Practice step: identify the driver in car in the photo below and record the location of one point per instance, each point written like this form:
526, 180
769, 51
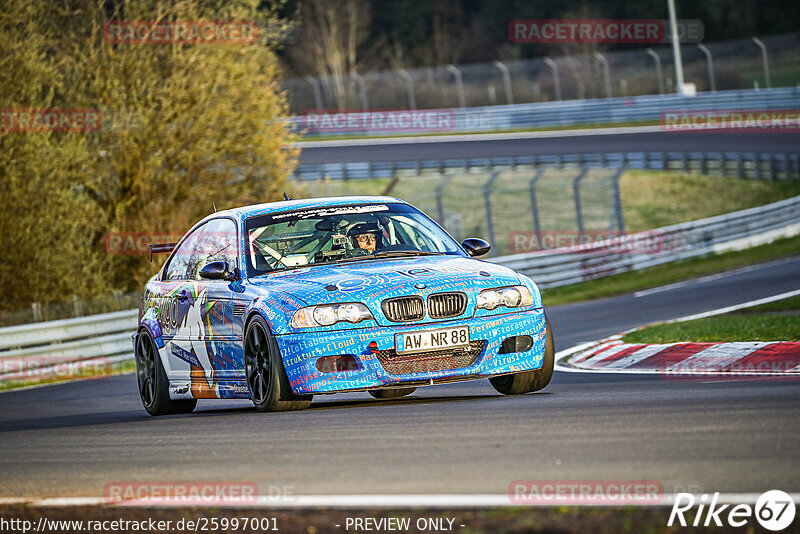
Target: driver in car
366, 236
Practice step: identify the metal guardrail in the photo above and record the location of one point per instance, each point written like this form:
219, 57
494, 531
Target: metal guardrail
28, 350
598, 111
35, 334
731, 231
756, 165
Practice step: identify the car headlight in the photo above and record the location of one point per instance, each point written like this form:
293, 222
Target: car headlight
510, 297
328, 314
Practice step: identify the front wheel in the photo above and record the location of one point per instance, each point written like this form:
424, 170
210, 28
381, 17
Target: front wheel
266, 377
528, 381
152, 380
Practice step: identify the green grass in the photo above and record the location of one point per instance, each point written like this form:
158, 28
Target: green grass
774, 322
669, 273
652, 199
127, 366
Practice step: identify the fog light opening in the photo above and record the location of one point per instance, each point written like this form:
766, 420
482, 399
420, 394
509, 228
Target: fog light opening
337, 363
516, 344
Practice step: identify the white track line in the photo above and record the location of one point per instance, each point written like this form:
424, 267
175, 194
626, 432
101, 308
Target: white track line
376, 501
708, 278
457, 138
735, 307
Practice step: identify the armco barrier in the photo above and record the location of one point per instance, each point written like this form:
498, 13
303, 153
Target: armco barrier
731, 231
755, 165
106, 336
601, 111
109, 335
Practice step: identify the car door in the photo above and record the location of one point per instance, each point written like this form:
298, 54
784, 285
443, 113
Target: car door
199, 346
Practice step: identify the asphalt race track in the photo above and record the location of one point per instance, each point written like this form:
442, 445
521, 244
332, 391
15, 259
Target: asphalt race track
527, 144
691, 435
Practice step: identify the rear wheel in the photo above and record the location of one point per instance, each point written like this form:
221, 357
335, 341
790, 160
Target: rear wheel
266, 377
529, 381
391, 393
153, 383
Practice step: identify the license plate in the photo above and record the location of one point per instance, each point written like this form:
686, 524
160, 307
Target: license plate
427, 340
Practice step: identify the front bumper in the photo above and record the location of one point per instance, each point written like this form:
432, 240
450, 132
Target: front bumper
300, 352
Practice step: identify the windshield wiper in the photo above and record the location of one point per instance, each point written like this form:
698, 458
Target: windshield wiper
390, 254
382, 254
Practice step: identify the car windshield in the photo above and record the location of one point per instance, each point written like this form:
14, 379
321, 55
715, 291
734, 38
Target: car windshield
335, 234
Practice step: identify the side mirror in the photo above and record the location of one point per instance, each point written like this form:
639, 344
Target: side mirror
476, 247
216, 270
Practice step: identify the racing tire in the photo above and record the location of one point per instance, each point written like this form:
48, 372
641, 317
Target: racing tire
391, 393
521, 383
266, 377
152, 380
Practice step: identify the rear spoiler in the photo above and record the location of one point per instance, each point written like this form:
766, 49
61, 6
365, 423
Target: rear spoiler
159, 248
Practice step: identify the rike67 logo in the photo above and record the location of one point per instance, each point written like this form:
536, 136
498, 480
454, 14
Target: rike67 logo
774, 511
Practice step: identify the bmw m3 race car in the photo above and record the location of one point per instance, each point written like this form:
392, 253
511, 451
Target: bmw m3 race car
278, 302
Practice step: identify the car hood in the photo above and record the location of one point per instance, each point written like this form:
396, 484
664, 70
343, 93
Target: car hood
371, 281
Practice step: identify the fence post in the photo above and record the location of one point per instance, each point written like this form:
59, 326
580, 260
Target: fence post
362, 91
439, 191
576, 192
773, 174
757, 165
506, 81
759, 43
710, 66
556, 82
317, 92
76, 302
535, 204
659, 74
606, 72
487, 193
462, 103
37, 312
412, 102
617, 200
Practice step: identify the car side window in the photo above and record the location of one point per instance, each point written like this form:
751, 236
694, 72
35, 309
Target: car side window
213, 241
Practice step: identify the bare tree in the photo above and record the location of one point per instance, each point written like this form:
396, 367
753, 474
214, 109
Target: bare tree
332, 32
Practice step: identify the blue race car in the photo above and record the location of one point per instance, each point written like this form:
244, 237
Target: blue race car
278, 302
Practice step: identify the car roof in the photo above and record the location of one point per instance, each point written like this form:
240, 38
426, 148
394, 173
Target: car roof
288, 205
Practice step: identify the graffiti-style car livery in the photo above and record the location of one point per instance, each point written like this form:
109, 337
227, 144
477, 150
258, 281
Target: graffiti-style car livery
278, 302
